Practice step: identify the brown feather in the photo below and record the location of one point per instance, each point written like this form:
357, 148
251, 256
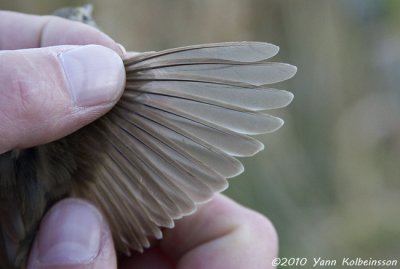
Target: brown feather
168, 145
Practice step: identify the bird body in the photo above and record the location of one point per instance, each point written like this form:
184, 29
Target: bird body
81, 13
168, 145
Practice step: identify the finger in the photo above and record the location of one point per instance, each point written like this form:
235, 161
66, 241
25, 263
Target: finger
222, 234
73, 234
21, 31
50, 92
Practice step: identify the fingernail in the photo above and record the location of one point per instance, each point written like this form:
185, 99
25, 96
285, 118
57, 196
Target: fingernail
70, 234
95, 74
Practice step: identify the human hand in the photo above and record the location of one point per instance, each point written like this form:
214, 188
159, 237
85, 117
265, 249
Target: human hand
52, 84
49, 88
52, 91
222, 234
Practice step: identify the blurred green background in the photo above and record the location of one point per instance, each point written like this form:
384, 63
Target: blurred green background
329, 179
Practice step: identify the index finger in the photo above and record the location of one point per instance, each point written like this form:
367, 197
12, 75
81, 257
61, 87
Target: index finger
222, 234
22, 31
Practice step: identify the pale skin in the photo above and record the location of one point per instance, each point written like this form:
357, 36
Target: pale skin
37, 110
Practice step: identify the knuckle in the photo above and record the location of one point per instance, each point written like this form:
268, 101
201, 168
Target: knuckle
23, 94
18, 99
25, 102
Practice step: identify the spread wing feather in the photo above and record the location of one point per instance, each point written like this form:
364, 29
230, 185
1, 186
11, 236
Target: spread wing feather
233, 51
245, 96
171, 141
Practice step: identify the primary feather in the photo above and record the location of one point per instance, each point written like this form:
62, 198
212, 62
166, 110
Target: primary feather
168, 145
173, 137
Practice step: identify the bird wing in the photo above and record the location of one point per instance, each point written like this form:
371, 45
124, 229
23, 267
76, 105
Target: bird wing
171, 141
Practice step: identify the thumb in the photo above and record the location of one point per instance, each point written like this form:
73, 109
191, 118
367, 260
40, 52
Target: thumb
73, 234
50, 92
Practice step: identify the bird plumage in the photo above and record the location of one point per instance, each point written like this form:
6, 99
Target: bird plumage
168, 145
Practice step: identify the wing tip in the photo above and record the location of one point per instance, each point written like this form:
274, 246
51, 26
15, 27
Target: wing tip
260, 148
269, 48
292, 70
278, 124
290, 97
240, 169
